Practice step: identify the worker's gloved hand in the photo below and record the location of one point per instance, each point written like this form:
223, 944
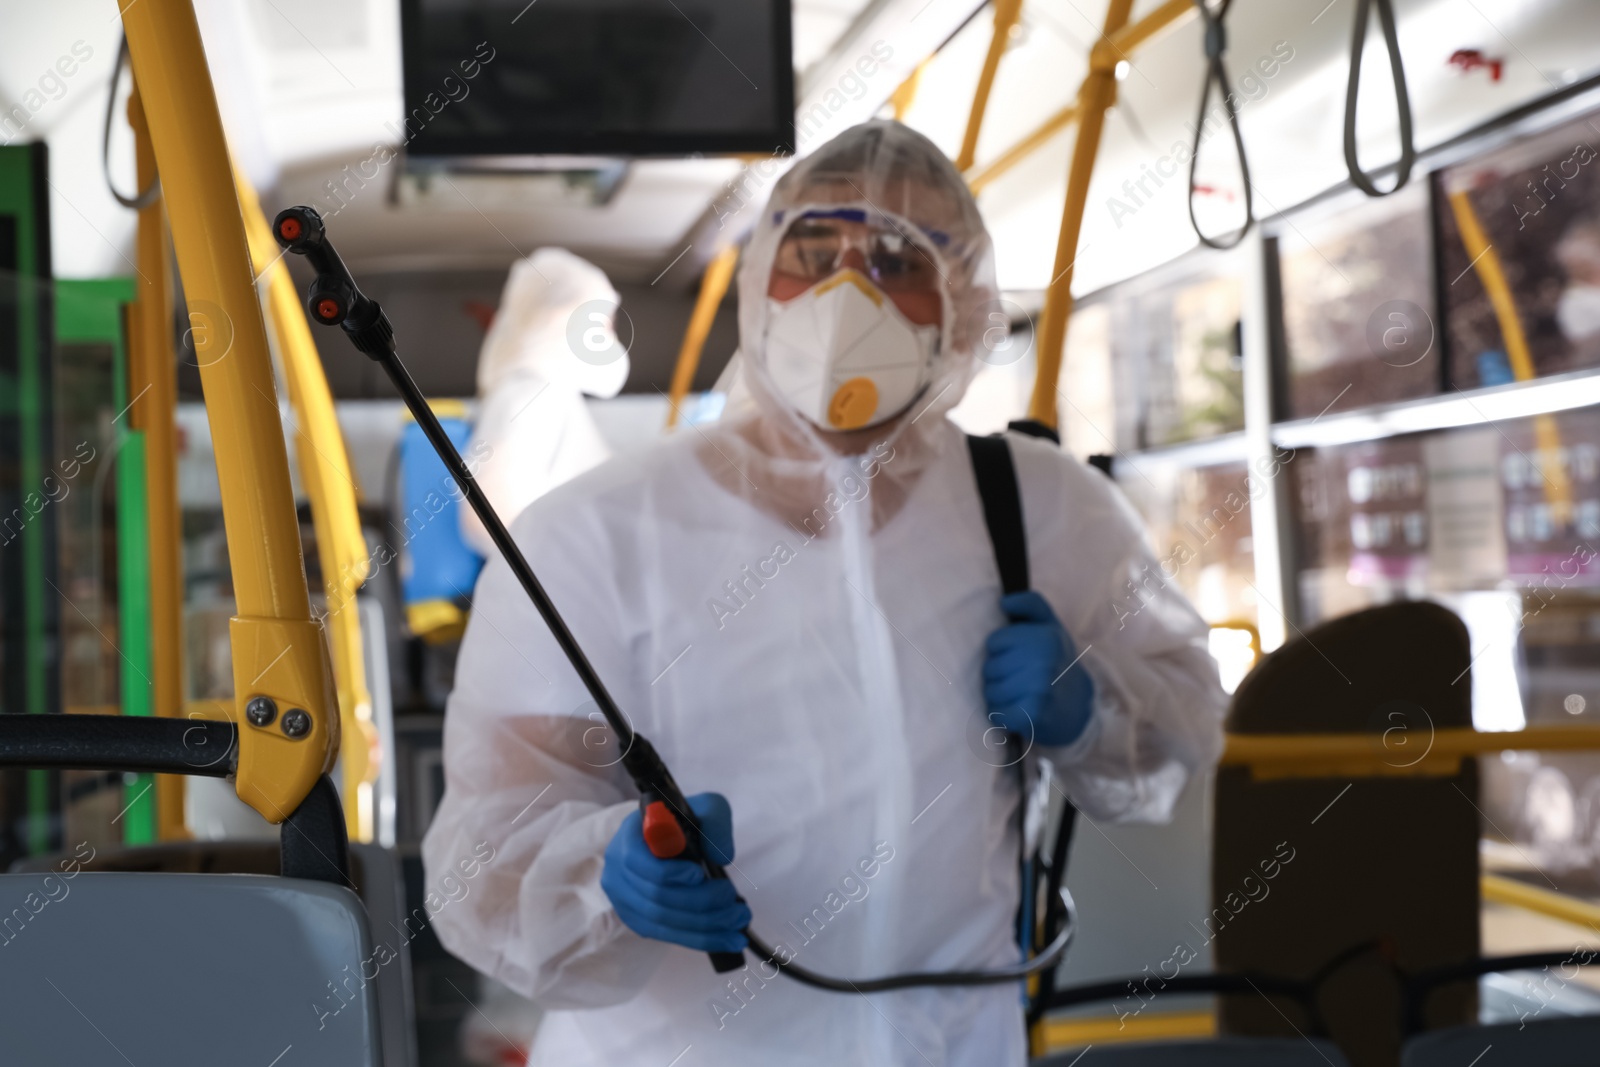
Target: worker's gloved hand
1026, 681
674, 900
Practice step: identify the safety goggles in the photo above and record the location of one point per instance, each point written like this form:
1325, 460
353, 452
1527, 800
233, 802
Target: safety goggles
818, 244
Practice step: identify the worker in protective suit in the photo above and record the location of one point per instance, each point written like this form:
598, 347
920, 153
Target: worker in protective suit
553, 341
800, 607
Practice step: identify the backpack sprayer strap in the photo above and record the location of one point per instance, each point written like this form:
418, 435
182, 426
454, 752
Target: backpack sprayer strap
996, 475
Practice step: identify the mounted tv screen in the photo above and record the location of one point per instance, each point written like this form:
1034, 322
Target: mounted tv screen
596, 77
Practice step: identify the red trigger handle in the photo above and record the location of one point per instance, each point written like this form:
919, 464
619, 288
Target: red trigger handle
662, 833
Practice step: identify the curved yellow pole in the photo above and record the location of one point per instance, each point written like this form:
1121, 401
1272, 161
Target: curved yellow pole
1006, 14
1486, 261
1487, 264
713, 287
1041, 136
278, 649
153, 382
331, 488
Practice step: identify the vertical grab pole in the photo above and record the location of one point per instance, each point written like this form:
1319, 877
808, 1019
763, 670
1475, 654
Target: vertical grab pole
1097, 93
153, 382
1006, 14
284, 701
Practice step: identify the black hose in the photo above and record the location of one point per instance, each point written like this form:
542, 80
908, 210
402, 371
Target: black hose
1402, 99
1053, 954
1055, 890
148, 196
1216, 43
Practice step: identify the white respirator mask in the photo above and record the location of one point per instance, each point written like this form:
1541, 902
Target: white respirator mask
844, 356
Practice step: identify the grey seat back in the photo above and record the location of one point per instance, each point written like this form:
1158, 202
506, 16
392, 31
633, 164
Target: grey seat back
383, 894
185, 969
1548, 1043
1221, 1052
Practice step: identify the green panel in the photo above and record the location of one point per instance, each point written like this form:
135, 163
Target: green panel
32, 685
93, 311
133, 576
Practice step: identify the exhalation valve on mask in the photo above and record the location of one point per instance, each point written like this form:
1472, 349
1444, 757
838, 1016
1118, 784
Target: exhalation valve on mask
845, 356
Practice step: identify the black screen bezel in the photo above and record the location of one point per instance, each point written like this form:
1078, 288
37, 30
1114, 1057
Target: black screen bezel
778, 139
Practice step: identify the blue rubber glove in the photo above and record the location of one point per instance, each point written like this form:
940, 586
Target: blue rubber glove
673, 900
1026, 681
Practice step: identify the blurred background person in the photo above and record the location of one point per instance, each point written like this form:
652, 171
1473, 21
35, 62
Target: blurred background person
553, 342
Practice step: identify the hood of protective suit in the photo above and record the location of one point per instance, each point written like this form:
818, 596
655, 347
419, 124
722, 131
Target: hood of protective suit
555, 322
889, 171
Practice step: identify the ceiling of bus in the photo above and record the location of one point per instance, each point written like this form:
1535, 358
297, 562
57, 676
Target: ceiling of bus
308, 88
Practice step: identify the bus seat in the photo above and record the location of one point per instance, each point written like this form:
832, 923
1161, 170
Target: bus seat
441, 568
377, 871
1548, 1043
1369, 878
375, 875
1360, 874
207, 968
1215, 1052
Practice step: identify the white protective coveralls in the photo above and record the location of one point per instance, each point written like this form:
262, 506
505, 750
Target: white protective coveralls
802, 631
543, 352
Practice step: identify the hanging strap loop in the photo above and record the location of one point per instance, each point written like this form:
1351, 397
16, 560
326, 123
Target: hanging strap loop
1402, 99
1216, 43
146, 197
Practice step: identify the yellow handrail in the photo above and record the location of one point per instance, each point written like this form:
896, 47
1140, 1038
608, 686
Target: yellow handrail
1170, 15
1097, 93
1502, 890
1027, 146
278, 648
331, 487
1415, 751
1077, 1032
152, 381
1006, 14
713, 287
1486, 262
